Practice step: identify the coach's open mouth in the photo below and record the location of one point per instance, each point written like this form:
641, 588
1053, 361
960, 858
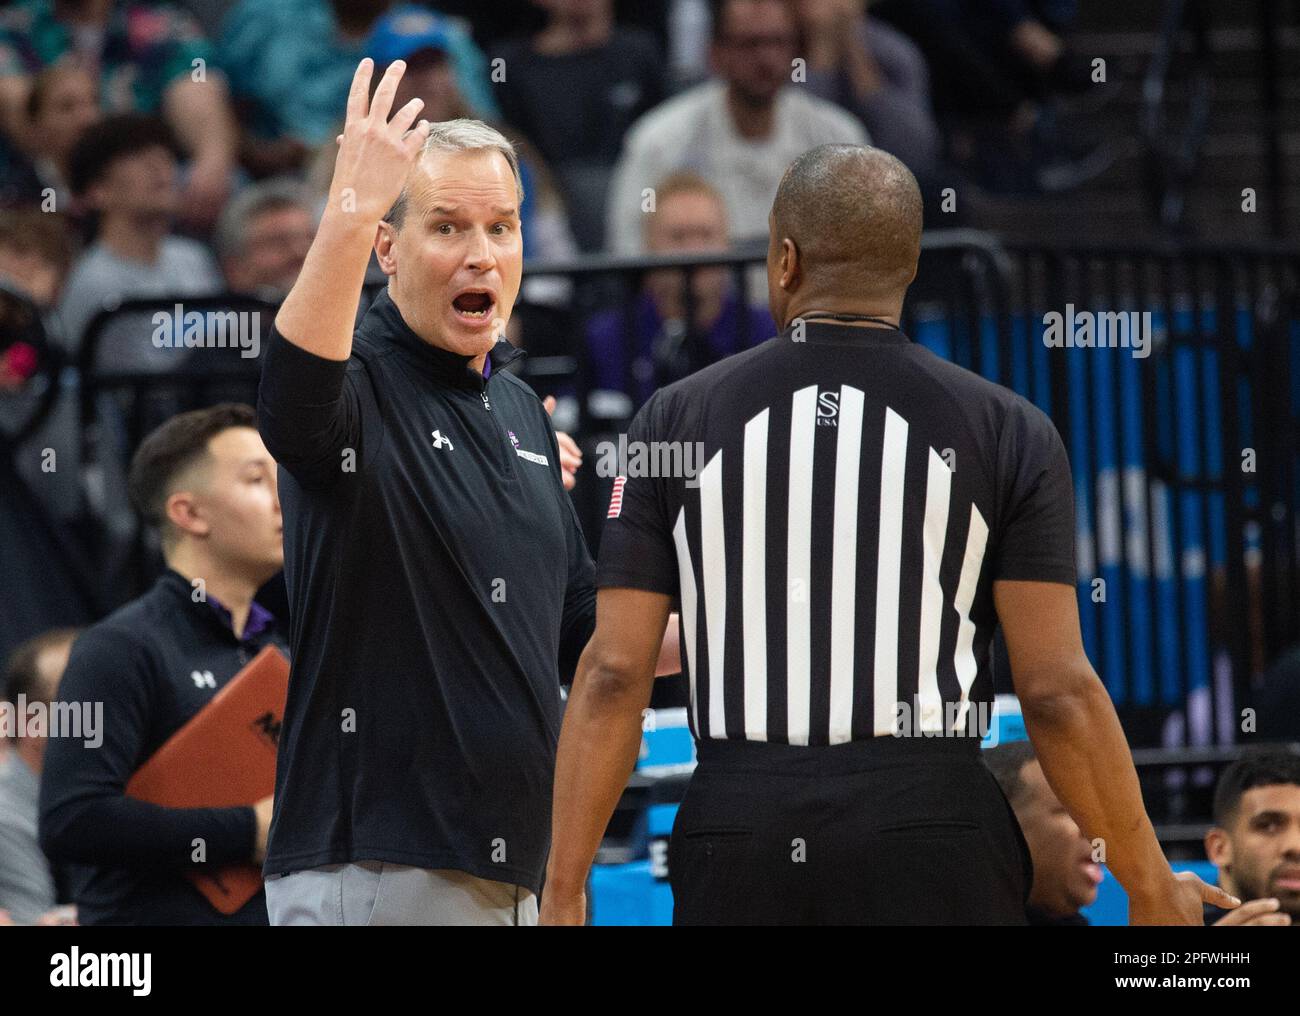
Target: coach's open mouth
474, 306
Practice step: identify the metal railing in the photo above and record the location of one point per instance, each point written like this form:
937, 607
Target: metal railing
1185, 467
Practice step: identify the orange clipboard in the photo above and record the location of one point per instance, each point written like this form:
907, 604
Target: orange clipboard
223, 757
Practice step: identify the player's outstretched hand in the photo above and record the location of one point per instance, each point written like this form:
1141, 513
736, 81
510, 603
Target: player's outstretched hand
1257, 913
1181, 902
375, 153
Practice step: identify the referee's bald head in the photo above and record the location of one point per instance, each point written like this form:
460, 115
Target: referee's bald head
845, 226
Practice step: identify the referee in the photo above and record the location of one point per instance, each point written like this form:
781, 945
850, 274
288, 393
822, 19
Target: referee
866, 515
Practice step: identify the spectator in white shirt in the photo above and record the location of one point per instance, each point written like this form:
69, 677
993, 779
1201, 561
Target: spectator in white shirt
739, 131
125, 169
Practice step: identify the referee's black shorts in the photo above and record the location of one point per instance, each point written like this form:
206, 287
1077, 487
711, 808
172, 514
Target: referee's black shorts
887, 831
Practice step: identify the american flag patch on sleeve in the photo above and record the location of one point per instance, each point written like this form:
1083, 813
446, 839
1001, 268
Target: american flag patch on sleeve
616, 498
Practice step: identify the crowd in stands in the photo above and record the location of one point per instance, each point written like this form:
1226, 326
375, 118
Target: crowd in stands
170, 151
182, 149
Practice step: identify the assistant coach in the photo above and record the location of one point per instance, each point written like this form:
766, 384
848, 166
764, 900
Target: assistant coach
867, 515
437, 575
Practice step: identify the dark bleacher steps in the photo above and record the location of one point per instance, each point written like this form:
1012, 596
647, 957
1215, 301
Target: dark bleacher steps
1114, 206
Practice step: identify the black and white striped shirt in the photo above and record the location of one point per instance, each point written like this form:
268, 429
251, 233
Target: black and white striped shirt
835, 514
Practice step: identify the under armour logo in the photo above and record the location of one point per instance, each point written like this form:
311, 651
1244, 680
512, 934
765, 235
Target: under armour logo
442, 442
203, 679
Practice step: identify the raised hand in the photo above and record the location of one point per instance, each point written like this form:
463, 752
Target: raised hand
375, 153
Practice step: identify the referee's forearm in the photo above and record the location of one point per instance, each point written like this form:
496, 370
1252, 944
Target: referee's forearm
320, 312
1085, 757
599, 744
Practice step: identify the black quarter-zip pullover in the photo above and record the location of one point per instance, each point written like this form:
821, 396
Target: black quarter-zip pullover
439, 586
152, 665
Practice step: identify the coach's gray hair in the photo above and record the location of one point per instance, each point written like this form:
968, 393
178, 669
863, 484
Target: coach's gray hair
461, 136
230, 237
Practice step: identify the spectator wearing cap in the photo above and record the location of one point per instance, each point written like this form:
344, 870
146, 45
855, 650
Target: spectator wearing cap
421, 39
263, 236
124, 167
739, 131
146, 59
689, 218
291, 63
573, 90
423, 42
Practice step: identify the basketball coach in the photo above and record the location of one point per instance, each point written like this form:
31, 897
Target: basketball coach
867, 514
438, 578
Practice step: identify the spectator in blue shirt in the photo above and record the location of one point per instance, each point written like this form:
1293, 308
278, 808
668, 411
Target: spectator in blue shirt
423, 40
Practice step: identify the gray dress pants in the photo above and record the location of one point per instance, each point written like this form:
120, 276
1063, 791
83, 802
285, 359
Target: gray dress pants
380, 892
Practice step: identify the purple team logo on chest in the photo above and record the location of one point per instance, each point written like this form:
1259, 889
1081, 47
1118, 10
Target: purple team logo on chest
513, 440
